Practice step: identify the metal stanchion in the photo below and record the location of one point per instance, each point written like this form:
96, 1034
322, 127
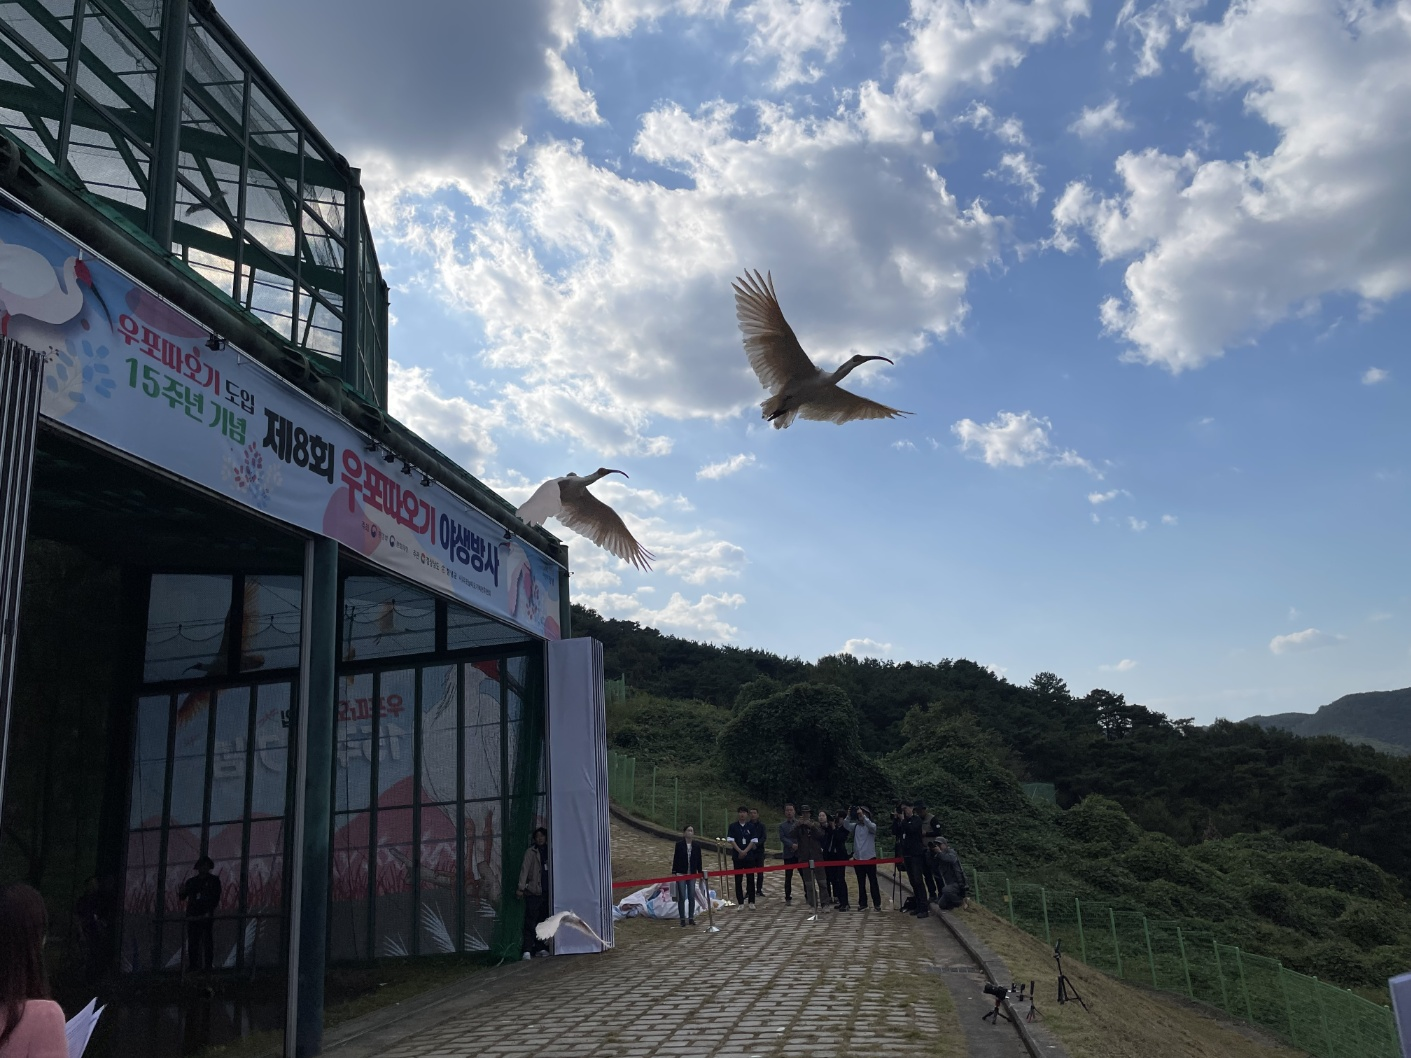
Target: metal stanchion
817, 896
710, 904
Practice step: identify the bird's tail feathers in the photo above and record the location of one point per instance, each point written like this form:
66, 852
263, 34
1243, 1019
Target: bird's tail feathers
773, 410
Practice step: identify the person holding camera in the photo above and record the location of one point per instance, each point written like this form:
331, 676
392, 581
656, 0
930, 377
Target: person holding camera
789, 839
913, 851
930, 830
864, 847
810, 846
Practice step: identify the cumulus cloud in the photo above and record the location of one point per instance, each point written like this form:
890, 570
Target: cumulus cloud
1168, 519
1125, 665
726, 467
618, 18
1015, 440
1308, 639
799, 36
1017, 168
865, 648
701, 619
953, 43
566, 96
1137, 525
1222, 249
1373, 375
1153, 26
1008, 130
904, 446
609, 296
1097, 498
1094, 121
463, 429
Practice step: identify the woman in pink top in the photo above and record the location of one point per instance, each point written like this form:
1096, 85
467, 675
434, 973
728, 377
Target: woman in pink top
31, 1024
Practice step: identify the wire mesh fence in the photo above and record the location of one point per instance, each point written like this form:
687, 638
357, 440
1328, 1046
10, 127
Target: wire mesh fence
1320, 1018
655, 794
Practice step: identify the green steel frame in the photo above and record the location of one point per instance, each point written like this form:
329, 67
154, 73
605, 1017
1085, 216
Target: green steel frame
158, 109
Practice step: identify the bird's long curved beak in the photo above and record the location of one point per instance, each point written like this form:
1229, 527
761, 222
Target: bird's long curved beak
888, 359
622, 472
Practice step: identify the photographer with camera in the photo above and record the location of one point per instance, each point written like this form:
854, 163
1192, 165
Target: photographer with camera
945, 864
810, 851
788, 838
913, 851
864, 847
836, 848
930, 830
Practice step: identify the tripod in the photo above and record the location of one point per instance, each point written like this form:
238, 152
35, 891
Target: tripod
1066, 991
994, 1015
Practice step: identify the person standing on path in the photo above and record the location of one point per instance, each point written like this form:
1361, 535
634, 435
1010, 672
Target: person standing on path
686, 860
202, 896
913, 851
809, 833
837, 849
789, 839
533, 889
742, 843
863, 829
761, 833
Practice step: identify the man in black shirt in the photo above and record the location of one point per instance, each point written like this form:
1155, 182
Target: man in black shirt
743, 842
759, 832
913, 852
202, 896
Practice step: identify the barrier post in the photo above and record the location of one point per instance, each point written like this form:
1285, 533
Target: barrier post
1116, 945
1185, 964
1248, 1006
1220, 971
1150, 955
1082, 937
1009, 899
1043, 894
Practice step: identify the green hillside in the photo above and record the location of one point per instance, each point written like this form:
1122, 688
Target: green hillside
1379, 719
1290, 847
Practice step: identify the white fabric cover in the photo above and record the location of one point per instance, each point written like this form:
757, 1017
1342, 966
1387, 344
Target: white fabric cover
579, 842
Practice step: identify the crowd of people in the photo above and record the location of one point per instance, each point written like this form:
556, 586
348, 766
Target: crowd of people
932, 867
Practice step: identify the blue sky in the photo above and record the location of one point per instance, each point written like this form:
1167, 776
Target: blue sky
1143, 269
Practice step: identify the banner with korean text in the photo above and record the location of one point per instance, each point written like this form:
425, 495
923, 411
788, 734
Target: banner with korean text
128, 369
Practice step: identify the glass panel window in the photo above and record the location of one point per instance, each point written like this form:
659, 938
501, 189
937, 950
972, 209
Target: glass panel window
264, 888
187, 627
483, 888
383, 617
395, 699
438, 881
394, 882
347, 927
271, 629
438, 733
149, 765
232, 753
188, 772
271, 758
352, 778
482, 731
466, 629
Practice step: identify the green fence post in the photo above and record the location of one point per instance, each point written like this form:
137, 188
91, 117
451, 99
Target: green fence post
654, 793
676, 803
1082, 937
1220, 972
1288, 1007
977, 888
1116, 946
1248, 1006
1150, 956
1322, 1016
1185, 963
1043, 894
1009, 898
632, 783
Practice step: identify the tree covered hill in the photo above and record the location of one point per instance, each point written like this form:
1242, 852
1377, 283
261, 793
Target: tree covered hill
1169, 776
1380, 719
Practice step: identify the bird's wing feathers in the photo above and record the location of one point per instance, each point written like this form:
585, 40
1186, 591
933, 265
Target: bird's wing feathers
550, 926
773, 350
835, 404
585, 513
543, 505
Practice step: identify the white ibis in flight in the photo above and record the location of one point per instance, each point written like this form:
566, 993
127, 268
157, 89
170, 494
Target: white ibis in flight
568, 499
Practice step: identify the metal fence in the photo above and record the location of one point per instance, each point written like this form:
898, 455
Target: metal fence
1041, 791
659, 796
1322, 1019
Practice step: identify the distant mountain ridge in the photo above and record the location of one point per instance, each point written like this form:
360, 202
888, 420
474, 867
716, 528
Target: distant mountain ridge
1380, 719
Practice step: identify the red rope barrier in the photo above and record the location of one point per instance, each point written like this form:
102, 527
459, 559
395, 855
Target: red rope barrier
800, 866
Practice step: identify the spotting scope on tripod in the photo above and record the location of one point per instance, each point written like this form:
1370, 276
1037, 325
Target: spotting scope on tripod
1066, 992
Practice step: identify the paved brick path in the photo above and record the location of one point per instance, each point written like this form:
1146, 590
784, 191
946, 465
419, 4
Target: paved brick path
769, 983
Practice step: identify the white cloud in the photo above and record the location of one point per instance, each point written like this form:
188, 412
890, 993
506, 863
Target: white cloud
865, 648
1008, 130
726, 467
1097, 519
1381, 616
1137, 525
1153, 27
1094, 121
462, 428
1017, 168
1373, 375
1097, 498
700, 619
954, 42
904, 446
618, 18
1016, 440
1125, 665
789, 31
1308, 639
610, 297
1223, 249
1168, 519
566, 97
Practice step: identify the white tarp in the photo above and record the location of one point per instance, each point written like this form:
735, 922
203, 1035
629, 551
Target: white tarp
659, 901
579, 841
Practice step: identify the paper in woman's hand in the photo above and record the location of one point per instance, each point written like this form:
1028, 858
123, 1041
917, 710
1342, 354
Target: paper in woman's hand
80, 1028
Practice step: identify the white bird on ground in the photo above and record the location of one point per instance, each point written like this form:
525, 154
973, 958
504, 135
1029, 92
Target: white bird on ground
545, 930
799, 387
568, 499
